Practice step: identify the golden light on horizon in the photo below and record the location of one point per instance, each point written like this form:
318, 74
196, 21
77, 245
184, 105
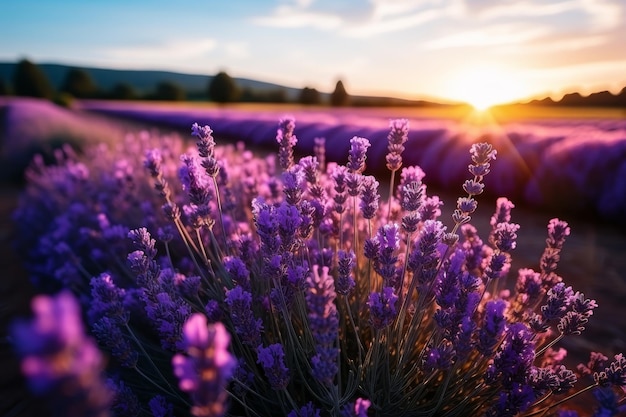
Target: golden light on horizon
484, 87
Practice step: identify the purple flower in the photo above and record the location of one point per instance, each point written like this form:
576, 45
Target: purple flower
514, 357
308, 410
424, 257
410, 175
310, 168
439, 358
319, 148
195, 181
467, 204
431, 208
207, 366
125, 403
289, 220
558, 230
528, 287
572, 323
579, 304
412, 196
324, 324
361, 405
160, 407
106, 299
213, 311
266, 225
205, 143
293, 184
238, 271
473, 187
513, 401
345, 263
388, 238
109, 334
398, 135
354, 182
248, 328
382, 308
482, 153
557, 302
505, 235
503, 211
60, 363
272, 359
369, 196
286, 141
492, 328
167, 312
357, 155
614, 375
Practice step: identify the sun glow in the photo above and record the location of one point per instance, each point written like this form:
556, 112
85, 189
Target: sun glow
483, 87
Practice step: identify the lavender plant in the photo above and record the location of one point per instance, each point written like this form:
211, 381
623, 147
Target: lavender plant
334, 304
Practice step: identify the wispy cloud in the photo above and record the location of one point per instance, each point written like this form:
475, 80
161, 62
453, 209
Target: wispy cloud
576, 43
181, 49
502, 34
299, 16
237, 50
397, 23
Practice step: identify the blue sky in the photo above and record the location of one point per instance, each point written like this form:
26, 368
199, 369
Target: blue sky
455, 49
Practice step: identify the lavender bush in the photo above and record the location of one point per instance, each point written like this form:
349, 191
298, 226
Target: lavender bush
223, 283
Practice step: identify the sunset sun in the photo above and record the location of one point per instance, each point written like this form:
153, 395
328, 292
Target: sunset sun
483, 87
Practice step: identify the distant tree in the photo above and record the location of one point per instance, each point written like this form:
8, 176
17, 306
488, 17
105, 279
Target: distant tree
309, 96
340, 96
123, 91
79, 84
223, 88
170, 91
250, 95
4, 88
30, 81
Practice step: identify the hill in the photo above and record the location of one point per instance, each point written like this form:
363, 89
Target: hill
575, 99
144, 81
195, 85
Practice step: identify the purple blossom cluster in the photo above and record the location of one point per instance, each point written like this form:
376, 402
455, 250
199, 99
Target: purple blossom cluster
224, 283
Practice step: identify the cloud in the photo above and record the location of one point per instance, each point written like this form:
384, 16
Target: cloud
602, 14
376, 27
491, 10
570, 44
504, 34
181, 49
237, 50
605, 14
299, 16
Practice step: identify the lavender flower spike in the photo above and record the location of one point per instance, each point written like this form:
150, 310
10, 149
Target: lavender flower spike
205, 370
272, 359
382, 308
60, 363
286, 141
398, 135
357, 156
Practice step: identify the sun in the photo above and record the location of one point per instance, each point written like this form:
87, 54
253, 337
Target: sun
484, 87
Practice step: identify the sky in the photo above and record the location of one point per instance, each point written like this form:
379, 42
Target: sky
494, 50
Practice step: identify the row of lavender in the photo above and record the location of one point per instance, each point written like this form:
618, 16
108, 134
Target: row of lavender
578, 165
321, 297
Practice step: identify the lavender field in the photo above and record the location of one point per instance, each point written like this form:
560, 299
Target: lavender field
570, 164
312, 262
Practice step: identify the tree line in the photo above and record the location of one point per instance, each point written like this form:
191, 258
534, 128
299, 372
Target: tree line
29, 80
